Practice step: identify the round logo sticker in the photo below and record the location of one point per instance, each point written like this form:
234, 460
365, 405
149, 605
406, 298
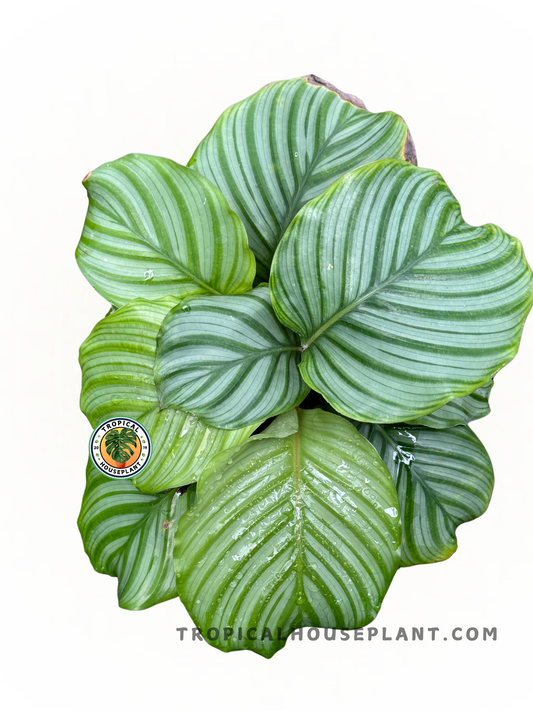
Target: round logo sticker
120, 448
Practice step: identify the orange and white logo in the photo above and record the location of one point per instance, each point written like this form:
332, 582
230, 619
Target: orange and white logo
120, 448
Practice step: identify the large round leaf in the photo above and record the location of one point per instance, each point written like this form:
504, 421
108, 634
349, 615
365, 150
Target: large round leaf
182, 446
130, 535
155, 228
400, 304
274, 151
229, 360
459, 411
443, 478
117, 361
291, 531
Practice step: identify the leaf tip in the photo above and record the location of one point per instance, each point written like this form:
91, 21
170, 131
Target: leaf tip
409, 149
87, 177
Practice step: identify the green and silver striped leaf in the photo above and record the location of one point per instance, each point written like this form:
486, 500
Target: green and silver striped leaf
182, 446
290, 532
459, 411
130, 535
117, 361
401, 306
155, 228
277, 149
443, 478
228, 360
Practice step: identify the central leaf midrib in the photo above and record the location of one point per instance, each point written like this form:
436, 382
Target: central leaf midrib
190, 274
305, 177
298, 520
382, 285
253, 356
120, 221
419, 478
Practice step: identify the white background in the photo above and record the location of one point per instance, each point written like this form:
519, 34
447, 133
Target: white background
84, 83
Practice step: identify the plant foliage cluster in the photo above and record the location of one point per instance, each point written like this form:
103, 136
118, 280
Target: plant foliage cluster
306, 325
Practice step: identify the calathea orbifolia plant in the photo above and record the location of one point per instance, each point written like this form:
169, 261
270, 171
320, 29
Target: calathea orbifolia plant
305, 325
